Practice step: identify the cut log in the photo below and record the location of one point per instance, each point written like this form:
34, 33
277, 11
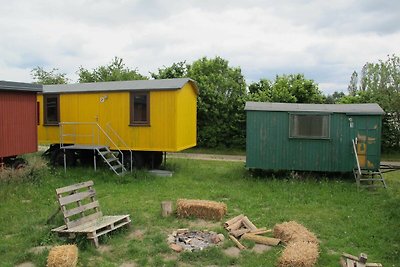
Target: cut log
260, 231
261, 239
239, 232
237, 243
166, 208
234, 226
233, 220
246, 222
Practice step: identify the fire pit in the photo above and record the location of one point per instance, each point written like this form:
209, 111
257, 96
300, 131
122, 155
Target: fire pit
185, 239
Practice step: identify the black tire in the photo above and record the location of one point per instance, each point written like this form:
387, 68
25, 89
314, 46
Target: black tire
18, 163
137, 160
155, 159
57, 157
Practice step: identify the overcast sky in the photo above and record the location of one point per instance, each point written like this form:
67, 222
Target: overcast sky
325, 40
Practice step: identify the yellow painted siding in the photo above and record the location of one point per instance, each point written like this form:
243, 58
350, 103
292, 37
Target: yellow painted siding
172, 120
186, 117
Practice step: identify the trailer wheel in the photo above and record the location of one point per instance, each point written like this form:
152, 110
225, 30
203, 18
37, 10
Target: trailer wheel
19, 163
155, 159
137, 160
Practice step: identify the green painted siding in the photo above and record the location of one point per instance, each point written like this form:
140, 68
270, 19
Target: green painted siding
269, 146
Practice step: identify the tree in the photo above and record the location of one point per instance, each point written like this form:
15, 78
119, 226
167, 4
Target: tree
292, 88
352, 88
41, 76
176, 70
115, 71
380, 83
220, 112
334, 98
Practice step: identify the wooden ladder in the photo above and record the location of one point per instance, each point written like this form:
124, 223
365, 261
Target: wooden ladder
364, 177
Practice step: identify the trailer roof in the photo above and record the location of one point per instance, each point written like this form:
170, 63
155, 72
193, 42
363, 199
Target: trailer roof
162, 84
371, 109
18, 86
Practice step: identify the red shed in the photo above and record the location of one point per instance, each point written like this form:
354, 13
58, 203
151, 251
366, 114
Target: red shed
18, 119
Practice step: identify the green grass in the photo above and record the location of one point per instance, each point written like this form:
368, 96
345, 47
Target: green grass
216, 151
393, 156
343, 218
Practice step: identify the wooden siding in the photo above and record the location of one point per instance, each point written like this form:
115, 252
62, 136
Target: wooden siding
269, 147
169, 129
18, 123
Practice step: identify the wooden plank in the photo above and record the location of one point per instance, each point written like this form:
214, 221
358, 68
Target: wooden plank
76, 197
246, 222
99, 223
233, 220
260, 231
261, 239
74, 187
234, 226
237, 243
80, 209
373, 264
349, 256
239, 232
84, 220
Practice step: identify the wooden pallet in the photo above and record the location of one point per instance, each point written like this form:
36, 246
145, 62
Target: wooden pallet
82, 213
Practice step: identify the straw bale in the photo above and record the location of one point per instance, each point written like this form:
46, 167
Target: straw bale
63, 256
293, 231
202, 209
299, 254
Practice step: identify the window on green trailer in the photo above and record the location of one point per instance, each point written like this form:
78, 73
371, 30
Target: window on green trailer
140, 109
314, 126
51, 109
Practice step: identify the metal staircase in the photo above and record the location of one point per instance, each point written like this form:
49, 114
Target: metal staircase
111, 159
89, 133
365, 177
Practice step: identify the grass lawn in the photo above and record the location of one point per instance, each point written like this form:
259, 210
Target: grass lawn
343, 218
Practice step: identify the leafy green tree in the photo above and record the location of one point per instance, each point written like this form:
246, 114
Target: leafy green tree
292, 88
334, 98
176, 70
114, 71
220, 112
41, 76
380, 83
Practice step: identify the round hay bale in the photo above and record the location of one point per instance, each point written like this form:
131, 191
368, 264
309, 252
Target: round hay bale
293, 231
202, 209
63, 256
299, 254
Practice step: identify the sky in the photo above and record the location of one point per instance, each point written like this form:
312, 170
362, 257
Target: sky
324, 40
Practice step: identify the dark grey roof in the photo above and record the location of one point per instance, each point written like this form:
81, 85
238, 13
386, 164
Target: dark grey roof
162, 84
373, 109
18, 86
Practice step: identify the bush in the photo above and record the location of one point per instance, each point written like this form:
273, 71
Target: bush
31, 172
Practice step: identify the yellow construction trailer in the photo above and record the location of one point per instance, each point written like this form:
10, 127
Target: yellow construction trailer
138, 119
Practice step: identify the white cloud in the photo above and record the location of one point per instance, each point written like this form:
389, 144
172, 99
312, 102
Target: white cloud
326, 40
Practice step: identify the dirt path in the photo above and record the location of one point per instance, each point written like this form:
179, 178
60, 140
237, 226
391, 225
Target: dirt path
207, 157
237, 158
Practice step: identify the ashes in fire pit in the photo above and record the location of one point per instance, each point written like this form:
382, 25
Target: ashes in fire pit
184, 239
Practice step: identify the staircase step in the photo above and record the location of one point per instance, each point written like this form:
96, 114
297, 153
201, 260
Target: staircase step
109, 160
116, 167
371, 179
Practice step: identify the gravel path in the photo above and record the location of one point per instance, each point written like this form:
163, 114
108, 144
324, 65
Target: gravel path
237, 158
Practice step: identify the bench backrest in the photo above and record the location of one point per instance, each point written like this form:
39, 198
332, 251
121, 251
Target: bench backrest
78, 203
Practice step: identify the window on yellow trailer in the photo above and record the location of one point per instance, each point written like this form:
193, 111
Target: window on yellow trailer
51, 110
140, 108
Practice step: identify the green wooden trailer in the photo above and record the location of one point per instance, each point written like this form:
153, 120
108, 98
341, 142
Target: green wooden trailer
314, 137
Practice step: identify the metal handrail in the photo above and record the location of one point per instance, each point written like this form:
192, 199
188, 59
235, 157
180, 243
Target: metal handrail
99, 128
108, 125
355, 153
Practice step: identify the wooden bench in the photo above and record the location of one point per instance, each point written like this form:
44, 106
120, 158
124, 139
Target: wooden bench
82, 213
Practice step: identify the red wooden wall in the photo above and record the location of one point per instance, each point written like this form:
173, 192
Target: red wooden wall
18, 124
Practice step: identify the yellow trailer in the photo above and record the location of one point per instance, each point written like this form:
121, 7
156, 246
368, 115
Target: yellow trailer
138, 119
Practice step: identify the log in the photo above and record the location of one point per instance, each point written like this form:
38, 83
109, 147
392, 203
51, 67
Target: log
246, 222
234, 226
237, 243
233, 220
166, 208
260, 231
239, 232
261, 239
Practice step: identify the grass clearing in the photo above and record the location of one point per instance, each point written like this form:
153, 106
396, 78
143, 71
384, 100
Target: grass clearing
344, 219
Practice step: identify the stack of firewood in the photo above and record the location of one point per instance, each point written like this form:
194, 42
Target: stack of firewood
240, 227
